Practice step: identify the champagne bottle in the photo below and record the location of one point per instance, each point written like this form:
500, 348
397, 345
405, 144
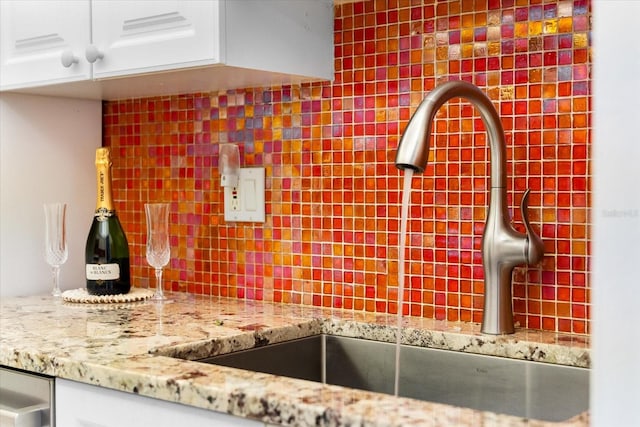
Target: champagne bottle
107, 250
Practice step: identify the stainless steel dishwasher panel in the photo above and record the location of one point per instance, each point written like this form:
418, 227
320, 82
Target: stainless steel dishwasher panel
26, 399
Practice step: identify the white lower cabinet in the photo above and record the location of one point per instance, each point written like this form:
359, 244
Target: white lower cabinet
83, 405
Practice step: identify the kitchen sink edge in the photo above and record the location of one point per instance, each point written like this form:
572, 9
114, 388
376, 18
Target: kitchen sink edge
537, 346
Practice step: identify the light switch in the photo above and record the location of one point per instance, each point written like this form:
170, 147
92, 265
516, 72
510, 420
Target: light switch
249, 192
245, 203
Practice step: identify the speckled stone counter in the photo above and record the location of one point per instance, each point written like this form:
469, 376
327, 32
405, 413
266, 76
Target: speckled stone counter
133, 348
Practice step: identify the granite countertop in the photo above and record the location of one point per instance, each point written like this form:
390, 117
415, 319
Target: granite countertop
132, 348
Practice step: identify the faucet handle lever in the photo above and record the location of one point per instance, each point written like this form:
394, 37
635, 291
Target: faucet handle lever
534, 249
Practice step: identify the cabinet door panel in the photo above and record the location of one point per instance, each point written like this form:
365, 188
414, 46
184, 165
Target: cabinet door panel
140, 37
34, 35
83, 405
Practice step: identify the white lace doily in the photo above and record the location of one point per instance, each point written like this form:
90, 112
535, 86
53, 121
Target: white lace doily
82, 296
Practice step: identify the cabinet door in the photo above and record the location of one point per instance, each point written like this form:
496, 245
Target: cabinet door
148, 36
82, 405
35, 34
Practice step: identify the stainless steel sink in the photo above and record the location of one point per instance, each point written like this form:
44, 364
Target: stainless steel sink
516, 387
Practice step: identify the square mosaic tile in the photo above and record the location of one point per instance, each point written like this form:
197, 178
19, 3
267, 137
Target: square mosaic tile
333, 194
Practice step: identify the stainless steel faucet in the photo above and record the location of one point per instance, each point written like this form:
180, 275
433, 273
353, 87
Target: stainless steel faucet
502, 246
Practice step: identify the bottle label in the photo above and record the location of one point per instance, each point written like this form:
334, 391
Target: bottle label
103, 271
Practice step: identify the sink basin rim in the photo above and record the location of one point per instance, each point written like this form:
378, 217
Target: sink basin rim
478, 400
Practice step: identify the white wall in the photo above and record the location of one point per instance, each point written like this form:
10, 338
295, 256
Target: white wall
615, 385
47, 153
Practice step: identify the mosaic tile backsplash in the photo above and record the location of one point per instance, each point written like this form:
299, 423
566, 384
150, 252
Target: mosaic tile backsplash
333, 195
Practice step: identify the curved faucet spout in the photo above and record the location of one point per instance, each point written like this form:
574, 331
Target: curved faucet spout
502, 246
413, 150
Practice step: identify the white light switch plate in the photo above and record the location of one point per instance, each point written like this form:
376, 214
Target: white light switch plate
245, 203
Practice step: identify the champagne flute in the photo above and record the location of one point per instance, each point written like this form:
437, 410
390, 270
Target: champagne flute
158, 247
56, 251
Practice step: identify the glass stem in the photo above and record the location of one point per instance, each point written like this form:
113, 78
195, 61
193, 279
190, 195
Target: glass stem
56, 292
159, 289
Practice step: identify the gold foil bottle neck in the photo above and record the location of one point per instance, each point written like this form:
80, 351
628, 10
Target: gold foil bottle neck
103, 156
104, 197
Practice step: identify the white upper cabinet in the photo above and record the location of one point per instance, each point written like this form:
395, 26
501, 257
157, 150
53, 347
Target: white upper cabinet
43, 42
133, 36
108, 49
